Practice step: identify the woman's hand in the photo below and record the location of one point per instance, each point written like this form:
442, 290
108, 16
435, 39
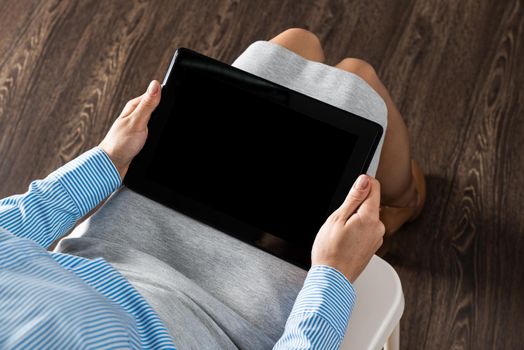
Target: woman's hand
128, 133
353, 233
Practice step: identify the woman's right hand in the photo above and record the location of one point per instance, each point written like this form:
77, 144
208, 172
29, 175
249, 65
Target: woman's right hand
128, 133
353, 233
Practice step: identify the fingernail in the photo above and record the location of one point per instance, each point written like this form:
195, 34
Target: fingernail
362, 182
153, 88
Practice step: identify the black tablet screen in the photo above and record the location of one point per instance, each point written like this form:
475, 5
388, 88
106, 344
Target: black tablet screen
257, 161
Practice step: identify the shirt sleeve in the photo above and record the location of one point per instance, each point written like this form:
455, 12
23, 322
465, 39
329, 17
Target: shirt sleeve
52, 206
321, 312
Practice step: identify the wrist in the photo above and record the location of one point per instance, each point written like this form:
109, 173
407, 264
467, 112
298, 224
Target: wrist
348, 273
120, 166
88, 179
328, 293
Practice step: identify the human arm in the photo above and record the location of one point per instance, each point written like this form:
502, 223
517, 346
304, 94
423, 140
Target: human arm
53, 205
342, 249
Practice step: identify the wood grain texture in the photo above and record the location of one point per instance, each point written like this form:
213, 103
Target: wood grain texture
453, 67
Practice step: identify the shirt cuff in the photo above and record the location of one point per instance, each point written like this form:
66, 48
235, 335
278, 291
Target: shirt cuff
88, 179
329, 294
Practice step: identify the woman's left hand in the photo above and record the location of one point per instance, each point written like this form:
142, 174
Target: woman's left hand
128, 133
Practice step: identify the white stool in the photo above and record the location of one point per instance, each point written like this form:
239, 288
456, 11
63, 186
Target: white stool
374, 323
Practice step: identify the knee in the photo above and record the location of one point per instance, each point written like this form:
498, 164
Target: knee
301, 41
302, 35
360, 68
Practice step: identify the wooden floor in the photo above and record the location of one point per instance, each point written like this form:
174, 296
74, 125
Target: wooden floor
455, 69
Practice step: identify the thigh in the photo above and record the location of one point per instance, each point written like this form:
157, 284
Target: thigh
239, 275
194, 318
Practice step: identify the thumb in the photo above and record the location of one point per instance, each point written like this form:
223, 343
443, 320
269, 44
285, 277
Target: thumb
371, 205
147, 105
358, 193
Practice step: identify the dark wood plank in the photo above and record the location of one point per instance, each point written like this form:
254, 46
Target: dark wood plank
464, 250
453, 67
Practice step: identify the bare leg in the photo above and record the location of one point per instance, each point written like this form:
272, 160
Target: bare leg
394, 170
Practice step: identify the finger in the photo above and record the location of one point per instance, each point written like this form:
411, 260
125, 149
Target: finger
357, 194
147, 105
130, 106
371, 206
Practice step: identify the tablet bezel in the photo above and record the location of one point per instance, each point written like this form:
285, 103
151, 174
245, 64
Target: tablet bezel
368, 136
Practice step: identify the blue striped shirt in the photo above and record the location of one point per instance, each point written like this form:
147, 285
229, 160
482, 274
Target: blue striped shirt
53, 300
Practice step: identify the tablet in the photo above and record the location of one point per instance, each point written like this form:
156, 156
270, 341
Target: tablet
249, 157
